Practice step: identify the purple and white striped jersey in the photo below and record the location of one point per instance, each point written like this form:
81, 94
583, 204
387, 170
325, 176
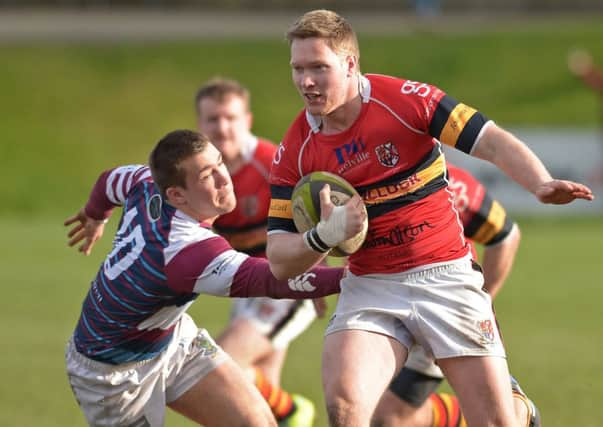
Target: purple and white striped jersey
161, 260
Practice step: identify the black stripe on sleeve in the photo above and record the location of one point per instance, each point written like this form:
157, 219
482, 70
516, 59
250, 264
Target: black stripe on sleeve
503, 233
440, 117
281, 192
479, 218
281, 224
470, 132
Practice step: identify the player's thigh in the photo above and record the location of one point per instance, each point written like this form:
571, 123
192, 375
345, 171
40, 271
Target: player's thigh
358, 366
483, 388
224, 397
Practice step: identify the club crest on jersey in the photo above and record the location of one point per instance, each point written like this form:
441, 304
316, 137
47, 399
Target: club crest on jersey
154, 207
486, 331
387, 154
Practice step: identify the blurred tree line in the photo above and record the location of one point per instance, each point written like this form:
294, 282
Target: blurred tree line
420, 6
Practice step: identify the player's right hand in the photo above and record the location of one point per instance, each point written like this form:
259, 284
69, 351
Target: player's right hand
87, 229
561, 192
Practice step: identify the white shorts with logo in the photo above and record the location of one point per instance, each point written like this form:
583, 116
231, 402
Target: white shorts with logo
281, 320
441, 307
135, 394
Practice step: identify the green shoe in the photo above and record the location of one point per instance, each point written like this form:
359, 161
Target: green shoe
302, 415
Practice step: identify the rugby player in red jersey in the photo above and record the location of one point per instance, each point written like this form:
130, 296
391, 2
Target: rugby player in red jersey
410, 399
135, 350
260, 329
414, 280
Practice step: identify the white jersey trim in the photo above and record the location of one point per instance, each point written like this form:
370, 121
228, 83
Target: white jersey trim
184, 231
217, 277
301, 152
480, 134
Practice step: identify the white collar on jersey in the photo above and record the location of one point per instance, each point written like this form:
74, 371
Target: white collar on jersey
364, 88
249, 146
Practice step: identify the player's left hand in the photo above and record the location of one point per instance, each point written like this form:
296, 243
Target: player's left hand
561, 192
86, 228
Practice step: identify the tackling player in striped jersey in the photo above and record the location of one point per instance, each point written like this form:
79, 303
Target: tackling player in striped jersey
135, 350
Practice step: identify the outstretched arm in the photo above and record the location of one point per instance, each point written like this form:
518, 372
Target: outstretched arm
519, 162
109, 191
254, 279
87, 229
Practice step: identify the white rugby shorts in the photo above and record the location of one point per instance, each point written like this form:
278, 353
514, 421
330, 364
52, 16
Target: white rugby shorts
136, 394
281, 320
441, 307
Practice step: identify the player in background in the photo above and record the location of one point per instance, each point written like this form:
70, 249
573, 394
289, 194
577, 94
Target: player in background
260, 329
134, 350
581, 64
411, 399
413, 280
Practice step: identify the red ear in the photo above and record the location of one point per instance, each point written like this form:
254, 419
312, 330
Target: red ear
175, 196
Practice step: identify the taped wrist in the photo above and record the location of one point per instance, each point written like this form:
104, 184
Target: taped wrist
314, 242
328, 233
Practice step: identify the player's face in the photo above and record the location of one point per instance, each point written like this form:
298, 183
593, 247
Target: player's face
226, 123
321, 76
208, 191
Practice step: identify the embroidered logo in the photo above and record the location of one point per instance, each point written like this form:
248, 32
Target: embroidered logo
486, 331
154, 207
387, 154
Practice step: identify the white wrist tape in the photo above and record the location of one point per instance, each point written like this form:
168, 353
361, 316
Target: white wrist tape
332, 230
328, 233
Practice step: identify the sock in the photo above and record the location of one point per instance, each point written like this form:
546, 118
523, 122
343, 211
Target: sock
446, 411
279, 400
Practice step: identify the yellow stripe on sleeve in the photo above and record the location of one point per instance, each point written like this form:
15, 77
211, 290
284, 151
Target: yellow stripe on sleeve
455, 124
280, 208
493, 224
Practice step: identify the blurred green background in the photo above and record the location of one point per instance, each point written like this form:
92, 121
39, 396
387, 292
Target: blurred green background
71, 110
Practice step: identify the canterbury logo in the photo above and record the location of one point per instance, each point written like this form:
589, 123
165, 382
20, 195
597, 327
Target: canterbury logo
302, 283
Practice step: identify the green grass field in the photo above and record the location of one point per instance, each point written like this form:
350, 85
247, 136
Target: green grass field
69, 111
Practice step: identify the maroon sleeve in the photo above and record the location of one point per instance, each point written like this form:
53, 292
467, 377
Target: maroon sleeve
99, 206
254, 279
112, 188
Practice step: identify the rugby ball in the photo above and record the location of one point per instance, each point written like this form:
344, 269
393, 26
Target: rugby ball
305, 206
